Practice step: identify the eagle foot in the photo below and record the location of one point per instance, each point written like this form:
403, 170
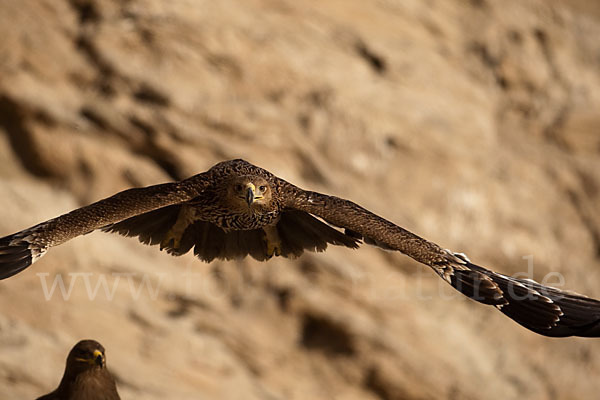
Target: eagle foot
273, 249
170, 241
272, 241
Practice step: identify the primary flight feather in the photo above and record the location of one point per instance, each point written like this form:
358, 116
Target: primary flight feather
236, 209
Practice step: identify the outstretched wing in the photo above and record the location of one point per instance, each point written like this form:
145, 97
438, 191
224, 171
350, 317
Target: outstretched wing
544, 310
20, 250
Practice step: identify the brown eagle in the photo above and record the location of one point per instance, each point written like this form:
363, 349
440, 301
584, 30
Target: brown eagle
236, 209
86, 376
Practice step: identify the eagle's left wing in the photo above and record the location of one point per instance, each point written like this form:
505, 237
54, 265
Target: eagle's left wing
544, 310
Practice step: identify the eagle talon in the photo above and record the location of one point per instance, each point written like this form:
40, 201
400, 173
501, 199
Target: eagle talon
170, 242
273, 241
273, 250
173, 237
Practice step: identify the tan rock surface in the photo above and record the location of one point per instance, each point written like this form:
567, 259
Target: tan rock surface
472, 123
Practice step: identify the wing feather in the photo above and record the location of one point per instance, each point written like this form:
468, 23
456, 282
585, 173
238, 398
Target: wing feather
301, 231
150, 227
542, 309
33, 242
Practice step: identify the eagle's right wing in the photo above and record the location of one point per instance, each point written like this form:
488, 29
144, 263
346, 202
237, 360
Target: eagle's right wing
18, 251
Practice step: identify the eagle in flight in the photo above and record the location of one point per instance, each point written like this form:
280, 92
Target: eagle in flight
236, 209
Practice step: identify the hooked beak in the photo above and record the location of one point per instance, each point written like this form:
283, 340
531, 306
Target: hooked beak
250, 194
98, 358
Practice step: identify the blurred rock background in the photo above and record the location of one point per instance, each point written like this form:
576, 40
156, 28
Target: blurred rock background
472, 123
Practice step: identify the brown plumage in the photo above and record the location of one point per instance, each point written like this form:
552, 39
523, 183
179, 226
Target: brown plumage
236, 209
86, 376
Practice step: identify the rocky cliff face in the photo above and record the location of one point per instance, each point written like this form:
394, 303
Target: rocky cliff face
472, 123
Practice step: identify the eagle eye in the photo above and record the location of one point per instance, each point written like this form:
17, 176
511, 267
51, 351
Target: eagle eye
262, 188
238, 188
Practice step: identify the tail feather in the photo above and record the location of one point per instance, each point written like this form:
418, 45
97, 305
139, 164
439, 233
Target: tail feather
541, 309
